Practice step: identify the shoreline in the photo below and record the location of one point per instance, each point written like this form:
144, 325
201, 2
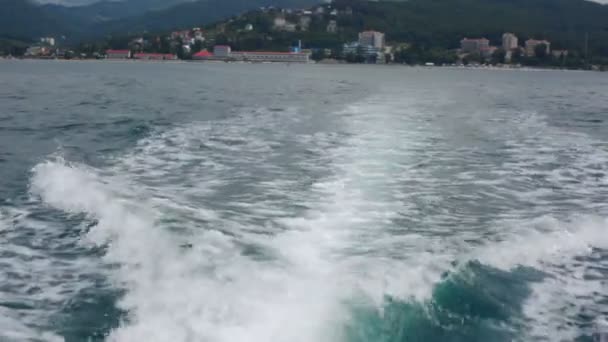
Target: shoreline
177, 61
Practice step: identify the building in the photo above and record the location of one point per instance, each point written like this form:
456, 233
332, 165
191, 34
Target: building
370, 53
559, 53
356, 48
202, 55
118, 54
509, 41
289, 27
372, 38
305, 22
248, 27
222, 51
48, 41
36, 51
262, 56
279, 22
487, 52
155, 56
508, 56
183, 35
474, 45
531, 45
198, 35
332, 26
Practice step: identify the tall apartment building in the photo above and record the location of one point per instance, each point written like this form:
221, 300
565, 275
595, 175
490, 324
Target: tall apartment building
509, 41
372, 38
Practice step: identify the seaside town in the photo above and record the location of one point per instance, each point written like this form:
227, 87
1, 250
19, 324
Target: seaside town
214, 43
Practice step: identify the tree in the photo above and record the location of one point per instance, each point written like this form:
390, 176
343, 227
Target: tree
540, 51
198, 46
317, 55
516, 56
354, 58
498, 57
474, 58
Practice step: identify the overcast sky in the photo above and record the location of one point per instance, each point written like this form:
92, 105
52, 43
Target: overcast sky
84, 2
67, 2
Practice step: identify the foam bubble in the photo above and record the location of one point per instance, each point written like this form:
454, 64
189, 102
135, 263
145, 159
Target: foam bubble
222, 238
305, 263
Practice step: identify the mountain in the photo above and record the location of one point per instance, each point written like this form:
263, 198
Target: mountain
196, 13
445, 22
436, 26
107, 10
24, 19
427, 22
27, 19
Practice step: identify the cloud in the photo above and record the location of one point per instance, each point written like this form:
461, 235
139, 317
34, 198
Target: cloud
68, 2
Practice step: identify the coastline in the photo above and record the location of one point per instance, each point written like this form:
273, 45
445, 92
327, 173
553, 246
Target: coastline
421, 66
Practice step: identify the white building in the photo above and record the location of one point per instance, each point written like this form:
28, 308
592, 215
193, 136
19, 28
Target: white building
372, 38
279, 22
198, 35
35, 50
559, 53
356, 48
118, 54
48, 40
305, 22
260, 56
222, 51
332, 26
477, 45
531, 45
509, 41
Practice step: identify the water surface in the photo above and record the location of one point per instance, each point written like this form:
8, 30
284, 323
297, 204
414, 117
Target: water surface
235, 202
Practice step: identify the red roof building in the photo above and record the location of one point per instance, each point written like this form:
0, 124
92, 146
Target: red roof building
202, 55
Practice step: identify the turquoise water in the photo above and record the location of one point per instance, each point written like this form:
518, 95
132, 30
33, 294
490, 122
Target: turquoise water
238, 202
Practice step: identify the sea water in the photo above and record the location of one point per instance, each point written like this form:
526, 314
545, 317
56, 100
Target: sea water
301, 203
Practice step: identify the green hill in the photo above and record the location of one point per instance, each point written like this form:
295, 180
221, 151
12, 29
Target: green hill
426, 24
191, 14
445, 22
29, 20
438, 24
25, 19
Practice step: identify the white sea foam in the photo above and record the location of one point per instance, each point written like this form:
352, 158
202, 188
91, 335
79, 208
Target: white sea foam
213, 291
563, 244
236, 230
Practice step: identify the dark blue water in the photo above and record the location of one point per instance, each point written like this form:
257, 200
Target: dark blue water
239, 202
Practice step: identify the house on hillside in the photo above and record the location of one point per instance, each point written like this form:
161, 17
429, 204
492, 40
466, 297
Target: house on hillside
332, 26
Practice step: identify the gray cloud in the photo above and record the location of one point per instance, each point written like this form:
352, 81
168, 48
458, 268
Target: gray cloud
86, 2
